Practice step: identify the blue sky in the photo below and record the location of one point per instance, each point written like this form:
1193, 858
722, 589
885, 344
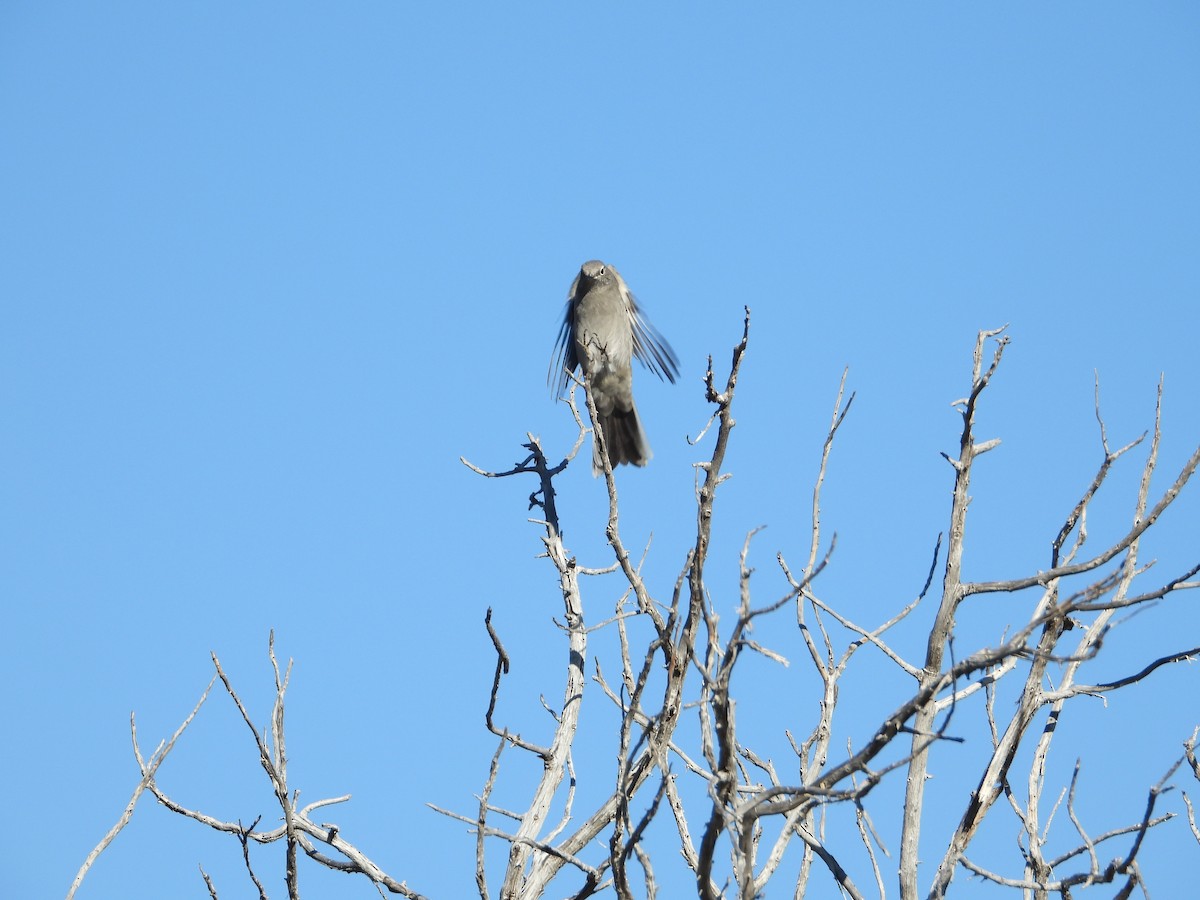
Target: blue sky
269, 269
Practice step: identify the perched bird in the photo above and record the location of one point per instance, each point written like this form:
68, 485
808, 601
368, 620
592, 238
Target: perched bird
602, 331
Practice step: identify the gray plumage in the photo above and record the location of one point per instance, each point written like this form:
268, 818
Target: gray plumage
602, 331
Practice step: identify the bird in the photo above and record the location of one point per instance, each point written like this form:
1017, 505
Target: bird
603, 329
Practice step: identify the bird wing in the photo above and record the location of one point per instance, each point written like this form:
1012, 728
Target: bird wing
564, 361
648, 345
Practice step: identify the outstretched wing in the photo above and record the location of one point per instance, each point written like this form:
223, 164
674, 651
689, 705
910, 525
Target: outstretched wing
648, 345
564, 360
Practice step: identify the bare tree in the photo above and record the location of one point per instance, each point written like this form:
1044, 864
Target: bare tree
735, 821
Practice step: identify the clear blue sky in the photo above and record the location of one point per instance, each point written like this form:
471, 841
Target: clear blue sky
268, 269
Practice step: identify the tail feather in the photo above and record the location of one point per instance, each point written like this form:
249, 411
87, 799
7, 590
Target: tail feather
625, 439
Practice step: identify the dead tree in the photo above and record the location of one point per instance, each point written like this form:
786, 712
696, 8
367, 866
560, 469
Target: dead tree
739, 820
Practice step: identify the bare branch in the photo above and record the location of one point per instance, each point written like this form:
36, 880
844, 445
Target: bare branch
1064, 571
243, 838
147, 780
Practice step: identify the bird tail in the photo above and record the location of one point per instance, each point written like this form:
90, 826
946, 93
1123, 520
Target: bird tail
625, 439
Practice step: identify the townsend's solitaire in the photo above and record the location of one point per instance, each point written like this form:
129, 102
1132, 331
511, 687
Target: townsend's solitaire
602, 330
